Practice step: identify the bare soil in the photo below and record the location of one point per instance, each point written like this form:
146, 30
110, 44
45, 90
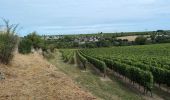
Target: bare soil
31, 77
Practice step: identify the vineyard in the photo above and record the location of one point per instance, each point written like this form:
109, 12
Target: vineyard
67, 55
146, 66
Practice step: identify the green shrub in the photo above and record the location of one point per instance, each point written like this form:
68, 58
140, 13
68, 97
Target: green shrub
24, 46
36, 40
8, 41
29, 41
141, 40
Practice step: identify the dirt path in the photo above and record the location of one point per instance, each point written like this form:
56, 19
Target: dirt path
30, 77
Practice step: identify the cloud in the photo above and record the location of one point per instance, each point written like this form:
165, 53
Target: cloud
83, 15
84, 27
144, 1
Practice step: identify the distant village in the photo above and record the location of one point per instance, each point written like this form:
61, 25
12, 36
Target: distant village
53, 37
79, 39
82, 39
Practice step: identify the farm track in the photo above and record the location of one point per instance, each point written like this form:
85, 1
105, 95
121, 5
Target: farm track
30, 77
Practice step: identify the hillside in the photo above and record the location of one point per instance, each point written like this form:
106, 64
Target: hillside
128, 70
30, 77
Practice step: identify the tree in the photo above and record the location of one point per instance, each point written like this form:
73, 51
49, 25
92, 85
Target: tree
29, 41
153, 36
35, 39
141, 40
104, 43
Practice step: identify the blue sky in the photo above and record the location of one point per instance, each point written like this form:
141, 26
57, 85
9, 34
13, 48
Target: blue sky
86, 16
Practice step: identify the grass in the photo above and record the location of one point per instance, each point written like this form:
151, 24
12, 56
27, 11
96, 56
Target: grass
91, 81
163, 94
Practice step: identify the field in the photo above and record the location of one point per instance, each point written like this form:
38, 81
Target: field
130, 38
92, 81
146, 68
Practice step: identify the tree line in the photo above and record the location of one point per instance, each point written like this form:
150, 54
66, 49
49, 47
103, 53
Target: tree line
110, 39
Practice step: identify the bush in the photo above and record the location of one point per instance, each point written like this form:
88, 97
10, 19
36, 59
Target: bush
29, 41
36, 40
8, 41
24, 46
141, 40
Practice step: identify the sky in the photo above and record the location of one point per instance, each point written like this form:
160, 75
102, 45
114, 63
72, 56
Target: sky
86, 16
